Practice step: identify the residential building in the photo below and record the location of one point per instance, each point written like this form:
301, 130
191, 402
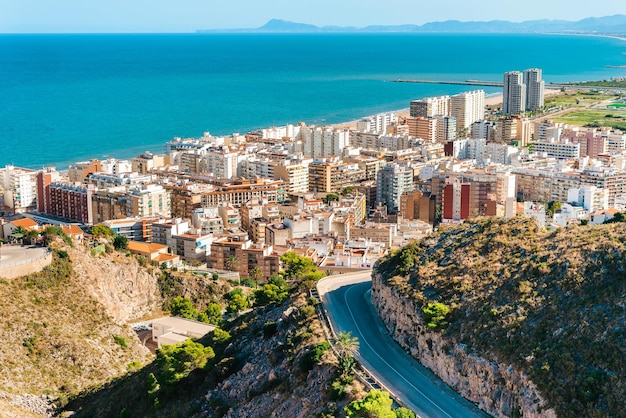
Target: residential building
393, 180
534, 89
514, 94
467, 108
430, 106
163, 232
247, 256
192, 247
332, 175
79, 172
148, 200
20, 188
72, 201
45, 177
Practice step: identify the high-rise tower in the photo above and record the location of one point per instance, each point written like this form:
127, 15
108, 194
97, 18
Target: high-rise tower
514, 95
534, 88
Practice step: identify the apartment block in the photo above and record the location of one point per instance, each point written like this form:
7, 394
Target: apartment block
20, 188
72, 201
247, 256
467, 108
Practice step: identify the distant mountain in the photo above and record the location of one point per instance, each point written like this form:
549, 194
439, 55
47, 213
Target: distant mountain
615, 25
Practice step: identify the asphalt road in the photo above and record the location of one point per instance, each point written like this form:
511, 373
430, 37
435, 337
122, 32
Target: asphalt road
346, 299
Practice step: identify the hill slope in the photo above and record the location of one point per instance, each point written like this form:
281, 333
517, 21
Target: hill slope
552, 304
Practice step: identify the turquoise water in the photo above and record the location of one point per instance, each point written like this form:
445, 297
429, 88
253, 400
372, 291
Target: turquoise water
66, 98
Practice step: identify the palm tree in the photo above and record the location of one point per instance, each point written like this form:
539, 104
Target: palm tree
256, 274
346, 344
231, 264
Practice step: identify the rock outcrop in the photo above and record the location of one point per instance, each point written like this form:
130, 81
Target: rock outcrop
126, 289
498, 389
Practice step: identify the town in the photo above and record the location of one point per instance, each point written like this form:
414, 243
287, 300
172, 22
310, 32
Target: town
340, 195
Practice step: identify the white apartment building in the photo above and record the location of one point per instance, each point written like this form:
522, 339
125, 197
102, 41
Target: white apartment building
20, 188
295, 176
467, 108
148, 200
114, 166
221, 162
377, 123
560, 149
591, 198
323, 142
430, 106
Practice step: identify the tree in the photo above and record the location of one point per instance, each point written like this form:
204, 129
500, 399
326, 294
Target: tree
231, 263
102, 231
213, 313
270, 293
376, 404
177, 361
256, 274
180, 306
346, 344
120, 243
435, 314
237, 303
296, 266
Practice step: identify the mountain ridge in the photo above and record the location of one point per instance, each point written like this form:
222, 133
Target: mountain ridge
615, 24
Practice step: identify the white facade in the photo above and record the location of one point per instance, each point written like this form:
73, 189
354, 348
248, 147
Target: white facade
19, 186
467, 108
589, 197
148, 200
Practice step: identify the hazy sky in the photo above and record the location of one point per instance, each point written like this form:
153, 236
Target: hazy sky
189, 15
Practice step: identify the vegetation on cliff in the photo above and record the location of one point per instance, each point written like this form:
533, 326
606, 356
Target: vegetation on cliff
552, 303
58, 340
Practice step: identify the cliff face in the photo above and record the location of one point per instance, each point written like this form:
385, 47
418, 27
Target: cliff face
126, 290
498, 389
493, 306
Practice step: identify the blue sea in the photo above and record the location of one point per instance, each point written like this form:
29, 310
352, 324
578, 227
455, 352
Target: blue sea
68, 98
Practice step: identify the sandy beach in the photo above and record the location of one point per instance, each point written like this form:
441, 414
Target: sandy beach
404, 113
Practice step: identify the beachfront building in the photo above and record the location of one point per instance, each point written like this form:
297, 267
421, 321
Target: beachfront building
534, 89
430, 106
323, 142
514, 94
467, 108
20, 188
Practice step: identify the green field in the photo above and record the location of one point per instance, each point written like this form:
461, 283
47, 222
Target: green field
617, 105
578, 99
615, 119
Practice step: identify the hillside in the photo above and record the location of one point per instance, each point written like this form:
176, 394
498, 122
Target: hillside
263, 370
57, 338
549, 303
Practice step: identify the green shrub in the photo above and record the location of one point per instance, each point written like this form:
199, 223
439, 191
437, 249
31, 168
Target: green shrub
120, 341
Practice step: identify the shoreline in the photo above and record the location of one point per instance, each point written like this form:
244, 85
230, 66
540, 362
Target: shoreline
491, 100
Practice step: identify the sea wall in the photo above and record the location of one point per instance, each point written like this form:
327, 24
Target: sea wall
498, 389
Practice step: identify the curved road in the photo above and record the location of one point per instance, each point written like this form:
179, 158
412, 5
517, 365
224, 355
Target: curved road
346, 299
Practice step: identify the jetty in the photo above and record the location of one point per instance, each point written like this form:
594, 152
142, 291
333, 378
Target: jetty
482, 83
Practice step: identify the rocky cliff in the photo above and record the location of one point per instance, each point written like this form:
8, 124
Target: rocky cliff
522, 321
498, 389
126, 289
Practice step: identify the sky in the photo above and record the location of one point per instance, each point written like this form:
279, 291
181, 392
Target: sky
130, 16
